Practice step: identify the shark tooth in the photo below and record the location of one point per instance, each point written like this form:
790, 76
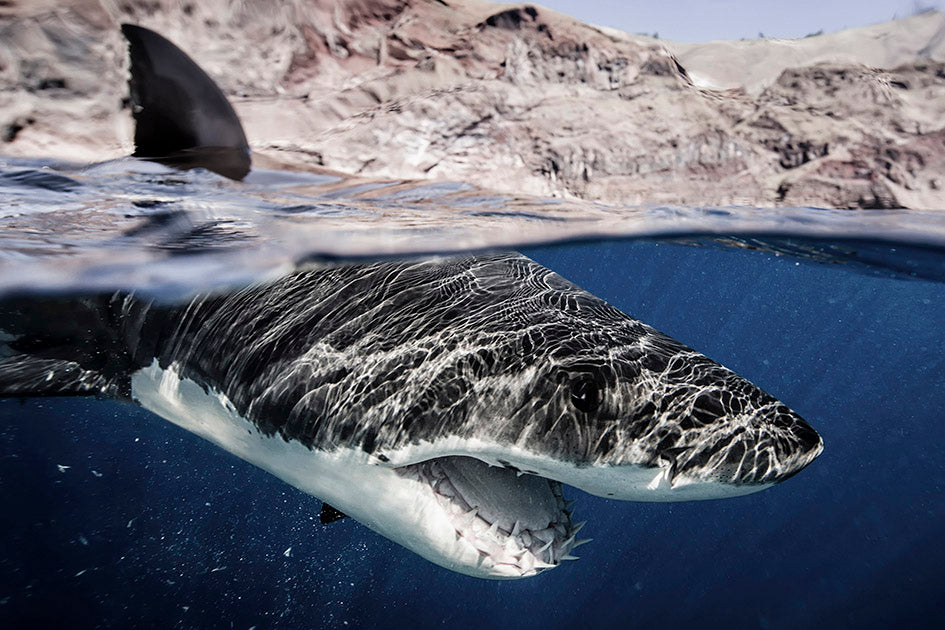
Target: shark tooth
581, 541
516, 529
528, 563
578, 527
544, 547
494, 528
508, 570
470, 516
569, 557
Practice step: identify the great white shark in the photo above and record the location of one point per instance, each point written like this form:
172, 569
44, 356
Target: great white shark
442, 402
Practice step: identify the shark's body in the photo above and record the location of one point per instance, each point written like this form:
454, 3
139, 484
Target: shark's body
441, 402
407, 394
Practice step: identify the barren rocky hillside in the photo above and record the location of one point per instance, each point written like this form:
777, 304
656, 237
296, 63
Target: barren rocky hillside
516, 98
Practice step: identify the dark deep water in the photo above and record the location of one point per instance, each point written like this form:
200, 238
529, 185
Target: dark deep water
150, 526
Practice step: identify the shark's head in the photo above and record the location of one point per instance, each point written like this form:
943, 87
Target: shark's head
488, 382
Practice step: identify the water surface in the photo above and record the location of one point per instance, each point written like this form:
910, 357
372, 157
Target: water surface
114, 517
135, 224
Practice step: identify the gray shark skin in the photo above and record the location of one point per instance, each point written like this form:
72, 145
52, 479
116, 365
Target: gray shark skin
379, 357
461, 392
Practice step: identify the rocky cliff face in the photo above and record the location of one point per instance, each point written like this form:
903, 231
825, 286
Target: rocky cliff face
515, 98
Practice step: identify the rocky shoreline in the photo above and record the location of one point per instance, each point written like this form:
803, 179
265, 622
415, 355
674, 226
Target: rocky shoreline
515, 98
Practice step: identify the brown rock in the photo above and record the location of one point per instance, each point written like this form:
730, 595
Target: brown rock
514, 98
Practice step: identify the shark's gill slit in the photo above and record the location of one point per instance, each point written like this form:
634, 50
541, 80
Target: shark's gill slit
519, 522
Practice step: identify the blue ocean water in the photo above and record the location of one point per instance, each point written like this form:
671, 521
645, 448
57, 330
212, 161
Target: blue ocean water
113, 517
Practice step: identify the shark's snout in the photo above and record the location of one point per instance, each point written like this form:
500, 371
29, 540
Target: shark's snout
756, 446
808, 445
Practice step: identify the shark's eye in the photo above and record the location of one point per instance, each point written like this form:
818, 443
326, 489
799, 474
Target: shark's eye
585, 394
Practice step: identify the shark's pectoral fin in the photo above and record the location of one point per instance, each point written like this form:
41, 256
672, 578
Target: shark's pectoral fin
330, 514
57, 346
28, 377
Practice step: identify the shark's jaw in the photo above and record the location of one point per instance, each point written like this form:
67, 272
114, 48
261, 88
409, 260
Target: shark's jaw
499, 523
517, 525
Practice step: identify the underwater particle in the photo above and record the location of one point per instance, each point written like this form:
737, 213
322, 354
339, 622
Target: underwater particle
63, 468
287, 553
97, 473
80, 573
83, 540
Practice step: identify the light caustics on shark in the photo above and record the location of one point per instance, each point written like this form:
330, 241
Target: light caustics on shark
413, 395
442, 402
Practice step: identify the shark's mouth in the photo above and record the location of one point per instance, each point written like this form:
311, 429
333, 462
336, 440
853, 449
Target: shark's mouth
518, 523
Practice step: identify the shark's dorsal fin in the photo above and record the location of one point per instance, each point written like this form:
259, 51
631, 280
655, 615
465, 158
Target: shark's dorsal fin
182, 118
330, 514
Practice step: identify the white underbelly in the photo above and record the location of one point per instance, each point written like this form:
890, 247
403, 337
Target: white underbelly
394, 506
